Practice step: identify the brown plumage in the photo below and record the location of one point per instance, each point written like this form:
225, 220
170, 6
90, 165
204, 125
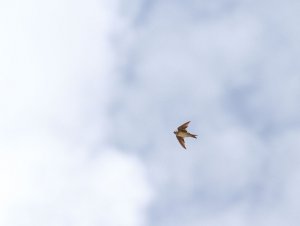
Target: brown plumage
181, 133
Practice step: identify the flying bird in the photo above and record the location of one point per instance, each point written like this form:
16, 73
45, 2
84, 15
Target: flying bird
181, 133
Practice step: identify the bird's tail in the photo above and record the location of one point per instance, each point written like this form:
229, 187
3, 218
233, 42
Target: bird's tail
193, 135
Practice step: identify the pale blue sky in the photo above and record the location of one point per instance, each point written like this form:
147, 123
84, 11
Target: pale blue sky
91, 92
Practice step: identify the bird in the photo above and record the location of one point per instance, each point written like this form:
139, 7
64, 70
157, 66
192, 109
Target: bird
182, 133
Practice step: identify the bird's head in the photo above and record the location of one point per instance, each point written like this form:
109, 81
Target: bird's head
175, 132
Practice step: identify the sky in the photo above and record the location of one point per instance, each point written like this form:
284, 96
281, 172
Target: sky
91, 92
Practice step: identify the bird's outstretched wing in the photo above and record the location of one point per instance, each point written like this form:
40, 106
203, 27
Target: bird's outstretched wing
183, 126
181, 141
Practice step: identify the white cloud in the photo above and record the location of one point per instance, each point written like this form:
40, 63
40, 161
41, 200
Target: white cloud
233, 61
46, 182
55, 56
230, 68
56, 167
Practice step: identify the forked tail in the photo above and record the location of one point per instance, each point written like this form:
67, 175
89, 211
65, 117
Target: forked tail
193, 135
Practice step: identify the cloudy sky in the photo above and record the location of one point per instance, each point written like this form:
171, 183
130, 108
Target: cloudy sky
91, 92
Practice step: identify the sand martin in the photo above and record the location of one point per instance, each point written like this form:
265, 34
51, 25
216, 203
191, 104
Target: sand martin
181, 133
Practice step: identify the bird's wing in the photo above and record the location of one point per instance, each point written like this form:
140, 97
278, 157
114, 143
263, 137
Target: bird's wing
181, 141
184, 126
